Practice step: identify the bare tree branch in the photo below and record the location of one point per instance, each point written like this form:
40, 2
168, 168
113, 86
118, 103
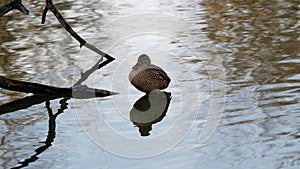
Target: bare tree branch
11, 5
50, 6
78, 90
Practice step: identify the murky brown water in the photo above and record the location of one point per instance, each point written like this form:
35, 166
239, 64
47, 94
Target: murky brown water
246, 52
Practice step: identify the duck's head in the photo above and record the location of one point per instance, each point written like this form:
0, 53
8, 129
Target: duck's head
143, 60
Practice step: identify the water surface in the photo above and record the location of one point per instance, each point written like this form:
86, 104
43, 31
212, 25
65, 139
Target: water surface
244, 51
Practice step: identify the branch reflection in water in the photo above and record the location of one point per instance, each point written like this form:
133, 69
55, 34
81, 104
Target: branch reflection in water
149, 110
51, 133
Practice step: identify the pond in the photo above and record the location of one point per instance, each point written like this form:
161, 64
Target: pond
233, 100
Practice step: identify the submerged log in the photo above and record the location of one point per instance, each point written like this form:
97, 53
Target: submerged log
81, 91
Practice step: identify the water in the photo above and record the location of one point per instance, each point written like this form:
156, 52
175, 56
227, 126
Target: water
235, 84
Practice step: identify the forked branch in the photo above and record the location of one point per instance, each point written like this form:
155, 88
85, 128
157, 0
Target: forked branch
77, 90
11, 5
50, 6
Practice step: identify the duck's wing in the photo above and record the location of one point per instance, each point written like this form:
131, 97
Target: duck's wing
151, 78
160, 76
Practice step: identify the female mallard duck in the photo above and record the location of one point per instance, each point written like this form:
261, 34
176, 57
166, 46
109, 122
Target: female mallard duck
146, 77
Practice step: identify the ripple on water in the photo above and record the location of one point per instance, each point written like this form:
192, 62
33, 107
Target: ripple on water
257, 44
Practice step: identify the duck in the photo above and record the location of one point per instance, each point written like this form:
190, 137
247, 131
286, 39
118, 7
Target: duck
147, 77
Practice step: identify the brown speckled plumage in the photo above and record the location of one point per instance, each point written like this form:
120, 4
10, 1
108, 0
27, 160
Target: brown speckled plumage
147, 77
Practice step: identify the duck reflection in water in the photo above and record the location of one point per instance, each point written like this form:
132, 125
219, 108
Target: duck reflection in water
150, 109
